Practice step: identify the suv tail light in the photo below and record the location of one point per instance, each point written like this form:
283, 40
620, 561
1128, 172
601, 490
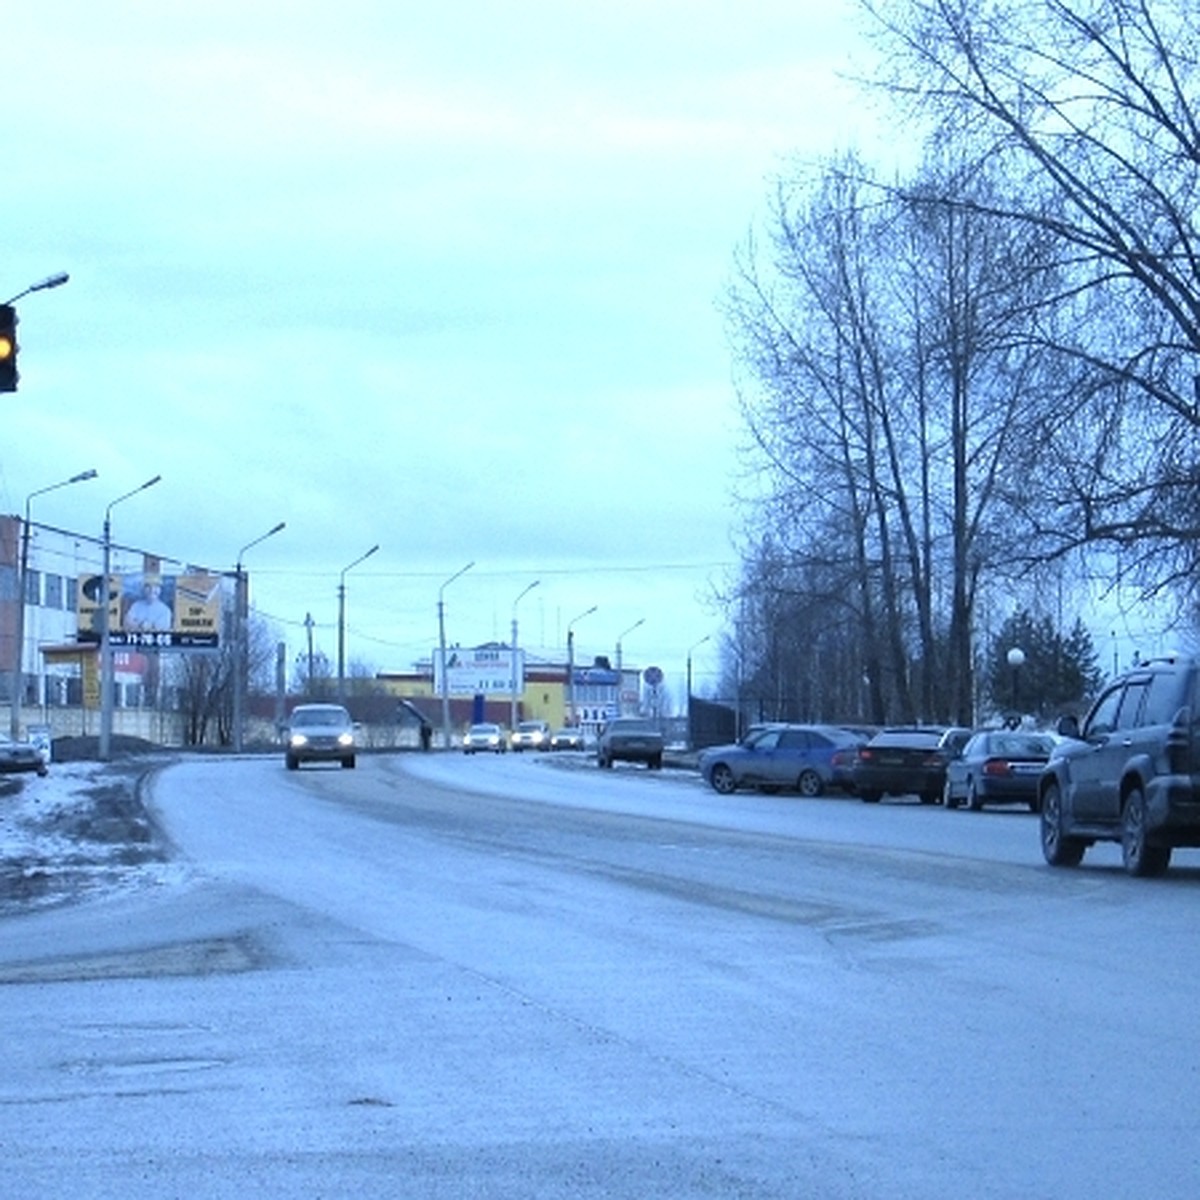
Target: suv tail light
1178, 744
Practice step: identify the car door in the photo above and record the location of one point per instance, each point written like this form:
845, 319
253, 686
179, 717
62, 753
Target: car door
757, 765
1092, 788
791, 756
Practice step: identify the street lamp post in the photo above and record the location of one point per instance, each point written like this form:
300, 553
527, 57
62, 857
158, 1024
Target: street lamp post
571, 662
442, 652
106, 658
1016, 659
241, 607
512, 722
341, 688
620, 675
694, 646
18, 676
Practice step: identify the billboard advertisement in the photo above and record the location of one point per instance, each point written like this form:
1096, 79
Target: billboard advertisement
484, 671
153, 611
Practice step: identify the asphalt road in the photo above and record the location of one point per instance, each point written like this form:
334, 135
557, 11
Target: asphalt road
437, 976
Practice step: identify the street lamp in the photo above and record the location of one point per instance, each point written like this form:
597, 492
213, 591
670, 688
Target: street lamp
442, 649
620, 676
694, 646
106, 659
341, 688
1016, 659
571, 661
18, 678
241, 607
512, 723
51, 281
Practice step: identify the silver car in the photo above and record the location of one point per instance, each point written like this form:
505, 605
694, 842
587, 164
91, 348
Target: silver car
319, 733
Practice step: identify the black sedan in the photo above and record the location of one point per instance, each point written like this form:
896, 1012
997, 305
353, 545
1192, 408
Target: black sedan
907, 760
997, 766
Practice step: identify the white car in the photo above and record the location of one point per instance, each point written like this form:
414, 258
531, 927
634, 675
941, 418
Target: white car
530, 735
484, 736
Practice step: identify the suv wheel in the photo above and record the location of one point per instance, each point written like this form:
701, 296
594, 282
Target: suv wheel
1139, 857
1058, 849
722, 780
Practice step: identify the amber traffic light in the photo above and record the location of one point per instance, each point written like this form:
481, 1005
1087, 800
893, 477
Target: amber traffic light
8, 348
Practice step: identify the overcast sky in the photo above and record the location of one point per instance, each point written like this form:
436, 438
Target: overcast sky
444, 278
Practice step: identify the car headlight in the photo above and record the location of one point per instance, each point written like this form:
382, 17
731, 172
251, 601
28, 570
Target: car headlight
345, 739
298, 739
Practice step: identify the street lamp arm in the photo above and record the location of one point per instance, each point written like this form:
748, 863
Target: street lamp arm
132, 492
250, 545
360, 558
51, 281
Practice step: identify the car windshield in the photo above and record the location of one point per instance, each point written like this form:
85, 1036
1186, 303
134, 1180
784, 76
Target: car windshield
321, 716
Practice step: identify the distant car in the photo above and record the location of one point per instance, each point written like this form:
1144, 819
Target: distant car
530, 735
319, 733
20, 757
484, 736
907, 760
568, 738
630, 739
997, 766
775, 757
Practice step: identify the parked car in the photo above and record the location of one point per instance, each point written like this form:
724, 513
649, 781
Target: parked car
907, 760
484, 736
774, 757
1130, 773
997, 766
19, 757
631, 739
319, 733
567, 738
530, 735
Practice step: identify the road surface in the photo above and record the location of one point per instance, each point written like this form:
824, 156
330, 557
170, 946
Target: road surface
439, 976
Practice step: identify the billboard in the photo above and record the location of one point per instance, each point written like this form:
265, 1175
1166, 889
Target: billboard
152, 611
484, 671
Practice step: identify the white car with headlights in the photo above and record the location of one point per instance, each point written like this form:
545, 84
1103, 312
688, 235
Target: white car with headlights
319, 733
484, 736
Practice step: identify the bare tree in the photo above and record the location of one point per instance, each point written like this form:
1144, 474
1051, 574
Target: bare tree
1089, 110
892, 366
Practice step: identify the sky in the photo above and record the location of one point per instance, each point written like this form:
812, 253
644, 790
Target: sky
444, 279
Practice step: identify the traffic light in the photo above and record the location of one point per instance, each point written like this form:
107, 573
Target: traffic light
8, 348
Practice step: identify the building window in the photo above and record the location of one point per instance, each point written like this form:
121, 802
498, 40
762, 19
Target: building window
54, 591
72, 596
33, 587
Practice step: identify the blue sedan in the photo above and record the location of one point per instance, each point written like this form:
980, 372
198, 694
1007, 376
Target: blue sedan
774, 757
997, 766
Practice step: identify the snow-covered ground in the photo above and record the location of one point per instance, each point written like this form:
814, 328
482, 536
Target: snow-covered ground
80, 829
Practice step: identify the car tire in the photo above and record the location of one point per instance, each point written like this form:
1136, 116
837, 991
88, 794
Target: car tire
1058, 849
949, 800
810, 784
604, 763
929, 797
1139, 856
293, 762
869, 797
722, 780
974, 803
655, 763
348, 763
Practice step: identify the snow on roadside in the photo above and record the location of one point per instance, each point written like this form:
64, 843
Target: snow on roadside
80, 829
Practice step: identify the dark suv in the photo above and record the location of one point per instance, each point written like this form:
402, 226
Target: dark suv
1131, 774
